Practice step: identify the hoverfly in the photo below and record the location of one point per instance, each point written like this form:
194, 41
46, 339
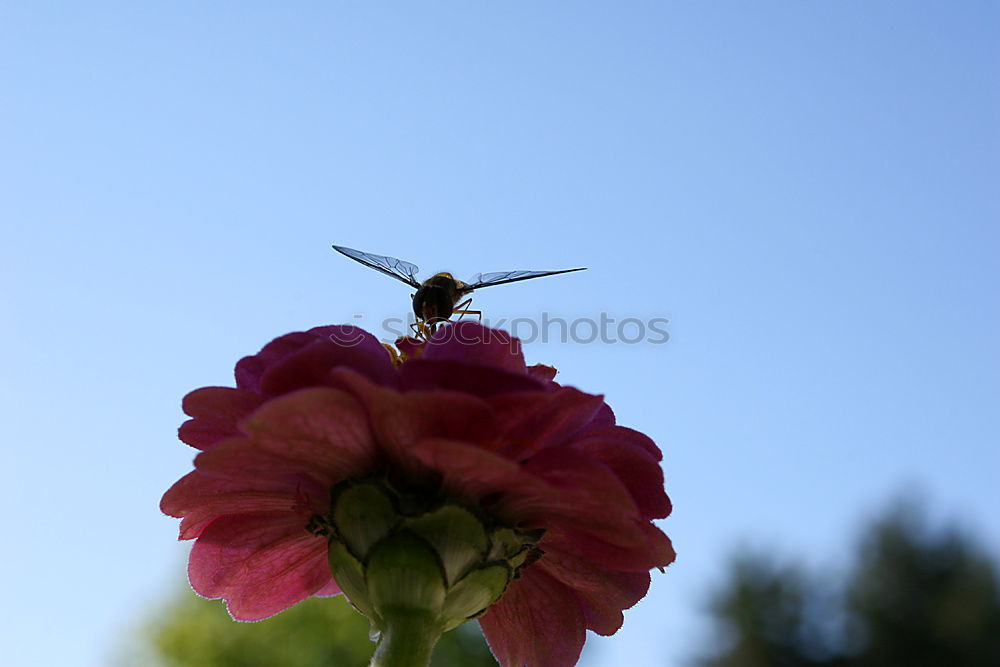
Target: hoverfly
438, 297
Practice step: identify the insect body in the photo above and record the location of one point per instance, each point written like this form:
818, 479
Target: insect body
438, 297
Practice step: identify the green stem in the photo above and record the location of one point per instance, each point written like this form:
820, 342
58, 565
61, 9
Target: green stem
407, 640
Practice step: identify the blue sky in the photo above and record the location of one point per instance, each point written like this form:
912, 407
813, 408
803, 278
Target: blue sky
806, 190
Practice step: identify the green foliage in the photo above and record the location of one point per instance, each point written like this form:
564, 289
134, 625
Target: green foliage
914, 597
319, 632
924, 599
763, 616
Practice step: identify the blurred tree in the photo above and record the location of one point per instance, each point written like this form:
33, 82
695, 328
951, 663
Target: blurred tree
923, 598
319, 632
915, 597
764, 614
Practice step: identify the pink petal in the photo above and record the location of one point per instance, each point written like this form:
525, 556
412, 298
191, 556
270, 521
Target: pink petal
250, 369
604, 417
589, 494
329, 590
399, 420
260, 563
542, 373
539, 420
311, 366
602, 592
321, 429
472, 343
636, 468
654, 551
622, 433
426, 374
216, 411
538, 623
576, 490
201, 498
359, 351
473, 473
242, 462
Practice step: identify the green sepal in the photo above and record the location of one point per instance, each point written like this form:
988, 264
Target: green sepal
363, 514
404, 572
350, 576
504, 543
457, 535
474, 593
417, 565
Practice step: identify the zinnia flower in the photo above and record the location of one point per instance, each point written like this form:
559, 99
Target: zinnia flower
329, 450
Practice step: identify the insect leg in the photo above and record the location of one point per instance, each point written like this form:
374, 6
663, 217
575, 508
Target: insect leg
422, 329
462, 309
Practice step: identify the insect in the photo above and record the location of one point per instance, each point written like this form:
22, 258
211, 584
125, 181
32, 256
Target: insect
439, 297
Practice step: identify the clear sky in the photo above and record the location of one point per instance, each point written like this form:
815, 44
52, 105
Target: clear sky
807, 190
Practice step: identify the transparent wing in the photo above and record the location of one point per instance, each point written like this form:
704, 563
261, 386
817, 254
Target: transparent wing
504, 277
390, 266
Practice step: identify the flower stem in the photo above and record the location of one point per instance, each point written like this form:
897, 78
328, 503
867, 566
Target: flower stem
407, 640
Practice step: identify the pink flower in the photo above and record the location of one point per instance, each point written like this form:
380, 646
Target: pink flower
461, 413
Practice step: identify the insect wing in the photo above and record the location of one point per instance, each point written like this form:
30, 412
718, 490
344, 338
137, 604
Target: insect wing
390, 266
504, 277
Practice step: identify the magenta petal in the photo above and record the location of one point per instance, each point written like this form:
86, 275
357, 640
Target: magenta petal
473, 344
201, 498
241, 461
323, 429
536, 421
427, 374
537, 623
622, 433
654, 551
249, 370
216, 411
602, 592
311, 366
538, 497
260, 563
636, 468
398, 420
360, 350
329, 590
470, 472
590, 495
542, 373
604, 417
